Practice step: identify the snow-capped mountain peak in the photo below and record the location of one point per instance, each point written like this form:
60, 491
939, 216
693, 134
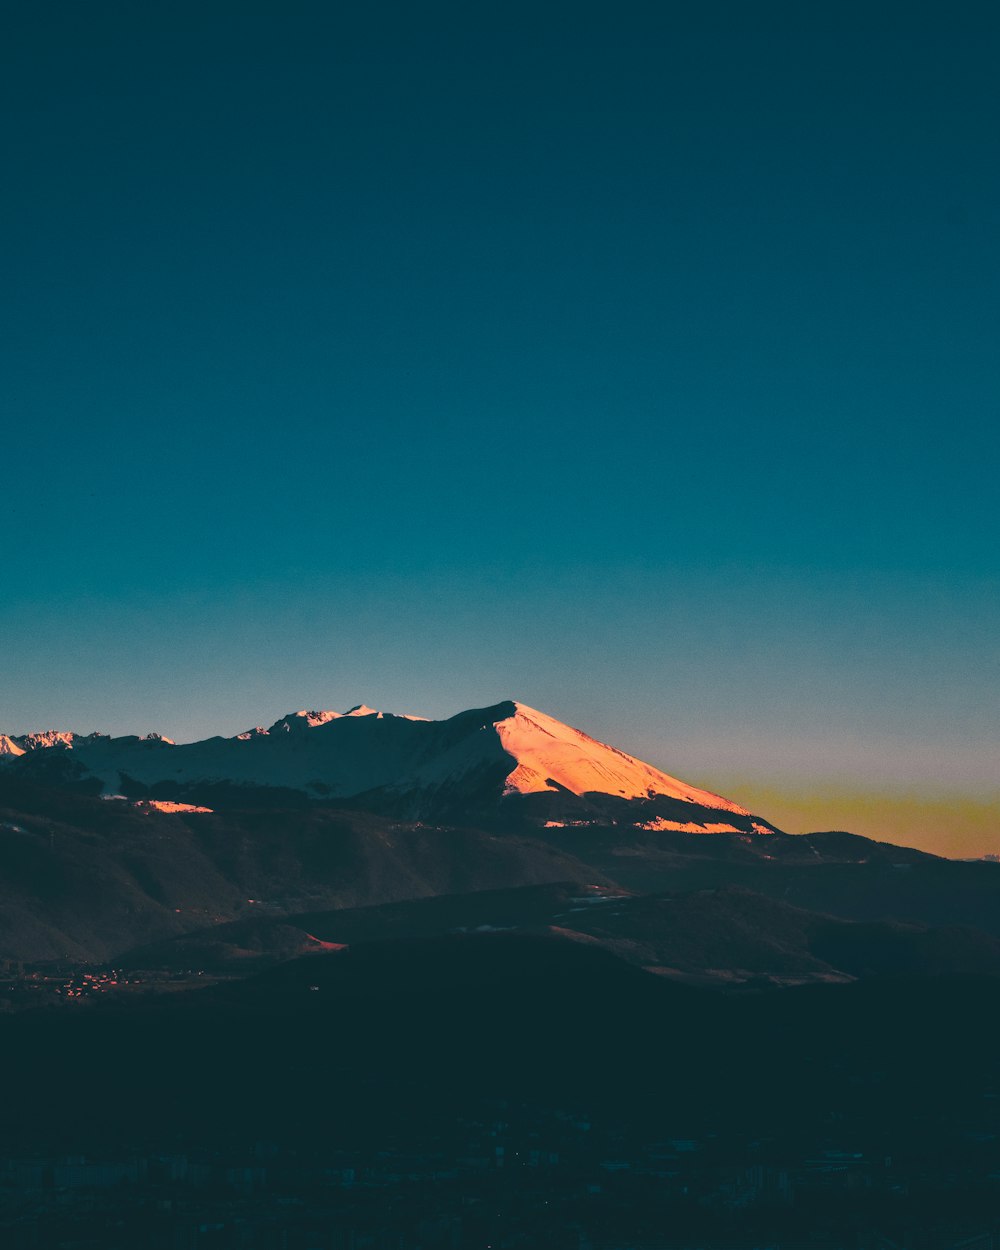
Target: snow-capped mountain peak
363, 709
508, 756
551, 755
46, 738
295, 721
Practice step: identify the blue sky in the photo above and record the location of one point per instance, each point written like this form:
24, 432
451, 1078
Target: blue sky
638, 361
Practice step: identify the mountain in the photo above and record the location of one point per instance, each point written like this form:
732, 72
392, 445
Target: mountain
86, 879
111, 844
508, 757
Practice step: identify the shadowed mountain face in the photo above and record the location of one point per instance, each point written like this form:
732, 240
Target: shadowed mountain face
726, 936
86, 879
507, 758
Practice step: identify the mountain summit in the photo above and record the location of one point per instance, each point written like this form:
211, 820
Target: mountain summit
507, 758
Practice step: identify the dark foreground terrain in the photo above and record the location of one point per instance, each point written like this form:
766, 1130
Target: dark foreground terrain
503, 1090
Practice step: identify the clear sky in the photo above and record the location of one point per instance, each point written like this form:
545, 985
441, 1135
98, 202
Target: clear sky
636, 360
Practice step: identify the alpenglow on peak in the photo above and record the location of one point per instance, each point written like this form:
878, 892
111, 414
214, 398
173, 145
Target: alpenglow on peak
508, 761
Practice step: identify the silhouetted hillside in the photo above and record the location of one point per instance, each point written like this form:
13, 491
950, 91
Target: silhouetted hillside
81, 878
724, 936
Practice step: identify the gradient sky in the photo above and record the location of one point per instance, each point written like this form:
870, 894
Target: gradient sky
639, 361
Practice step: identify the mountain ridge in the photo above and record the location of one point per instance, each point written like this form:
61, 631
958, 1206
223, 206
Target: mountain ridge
475, 760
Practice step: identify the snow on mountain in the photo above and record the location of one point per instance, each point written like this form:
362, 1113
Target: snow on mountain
477, 758
20, 744
295, 722
364, 710
548, 751
47, 738
164, 805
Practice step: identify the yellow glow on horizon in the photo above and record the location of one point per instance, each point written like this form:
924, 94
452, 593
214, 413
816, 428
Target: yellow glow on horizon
953, 825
